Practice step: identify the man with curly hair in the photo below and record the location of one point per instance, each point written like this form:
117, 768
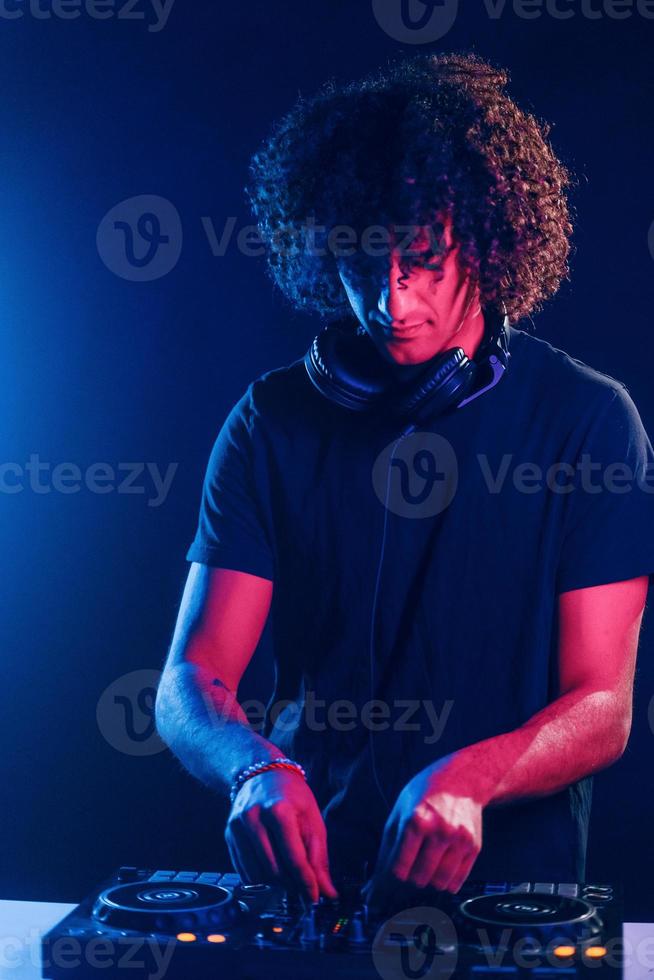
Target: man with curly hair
416, 208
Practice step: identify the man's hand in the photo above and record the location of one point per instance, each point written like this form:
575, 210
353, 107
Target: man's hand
275, 833
432, 837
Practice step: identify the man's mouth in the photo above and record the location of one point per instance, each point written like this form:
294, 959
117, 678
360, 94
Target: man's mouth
404, 332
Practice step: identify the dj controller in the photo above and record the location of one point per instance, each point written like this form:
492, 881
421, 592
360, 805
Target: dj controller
188, 925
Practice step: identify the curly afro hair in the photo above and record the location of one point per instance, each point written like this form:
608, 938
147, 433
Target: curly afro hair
423, 137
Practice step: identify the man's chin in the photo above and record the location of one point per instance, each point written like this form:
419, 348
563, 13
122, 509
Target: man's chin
411, 352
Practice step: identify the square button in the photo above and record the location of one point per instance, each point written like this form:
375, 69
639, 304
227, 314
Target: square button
230, 880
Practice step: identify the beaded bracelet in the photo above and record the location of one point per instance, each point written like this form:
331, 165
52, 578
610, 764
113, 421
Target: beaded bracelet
258, 767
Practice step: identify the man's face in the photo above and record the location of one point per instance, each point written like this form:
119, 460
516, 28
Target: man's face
412, 320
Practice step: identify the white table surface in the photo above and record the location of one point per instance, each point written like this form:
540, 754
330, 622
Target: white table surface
22, 924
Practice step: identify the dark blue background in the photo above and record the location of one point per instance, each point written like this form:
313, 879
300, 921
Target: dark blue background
98, 368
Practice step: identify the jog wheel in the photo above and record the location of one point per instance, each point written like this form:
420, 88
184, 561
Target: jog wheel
150, 907
508, 916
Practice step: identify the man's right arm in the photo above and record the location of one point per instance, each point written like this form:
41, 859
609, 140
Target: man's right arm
275, 829
220, 620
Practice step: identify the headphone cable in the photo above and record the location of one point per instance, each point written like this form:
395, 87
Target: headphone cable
373, 616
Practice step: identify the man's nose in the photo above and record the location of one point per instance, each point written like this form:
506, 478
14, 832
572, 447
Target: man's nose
394, 295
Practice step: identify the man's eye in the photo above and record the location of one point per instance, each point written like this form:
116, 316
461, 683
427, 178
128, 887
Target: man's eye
420, 257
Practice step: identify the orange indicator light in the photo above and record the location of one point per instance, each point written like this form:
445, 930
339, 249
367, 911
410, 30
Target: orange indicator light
216, 937
186, 937
564, 951
596, 952
277, 929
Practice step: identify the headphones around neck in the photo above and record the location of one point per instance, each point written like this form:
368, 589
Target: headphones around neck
348, 369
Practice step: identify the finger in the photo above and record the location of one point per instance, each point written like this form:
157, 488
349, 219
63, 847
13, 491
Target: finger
249, 855
262, 849
458, 880
428, 859
233, 853
388, 842
316, 846
376, 888
289, 848
448, 866
407, 847
397, 865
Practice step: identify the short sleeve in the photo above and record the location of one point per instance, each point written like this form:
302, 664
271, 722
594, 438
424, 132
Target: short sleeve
609, 514
232, 528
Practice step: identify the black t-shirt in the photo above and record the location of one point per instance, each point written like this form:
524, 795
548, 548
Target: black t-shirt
542, 485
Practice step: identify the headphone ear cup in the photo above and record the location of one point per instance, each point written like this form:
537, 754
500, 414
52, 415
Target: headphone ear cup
348, 369
445, 384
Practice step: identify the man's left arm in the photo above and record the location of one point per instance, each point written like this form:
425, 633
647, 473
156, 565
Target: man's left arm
433, 834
